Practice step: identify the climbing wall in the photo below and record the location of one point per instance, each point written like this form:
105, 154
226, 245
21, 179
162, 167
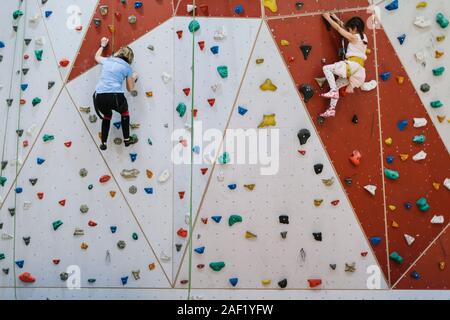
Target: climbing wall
316, 225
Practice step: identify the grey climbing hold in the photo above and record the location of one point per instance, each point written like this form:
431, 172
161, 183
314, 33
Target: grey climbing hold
64, 276
302, 254
129, 173
118, 141
84, 208
78, 232
333, 266
9, 102
121, 244
83, 172
136, 274
4, 164
12, 211
50, 84
350, 267
283, 234
5, 271
93, 118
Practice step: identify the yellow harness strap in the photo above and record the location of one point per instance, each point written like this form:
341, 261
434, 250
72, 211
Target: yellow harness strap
358, 60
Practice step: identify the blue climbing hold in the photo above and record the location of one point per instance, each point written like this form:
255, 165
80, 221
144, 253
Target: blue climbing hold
138, 5
215, 49
19, 190
234, 281
196, 149
48, 13
401, 38
24, 86
133, 157
401, 125
40, 161
392, 6
216, 218
242, 110
20, 263
407, 205
2, 45
117, 124
415, 275
113, 229
200, 250
239, 9
232, 186
124, 280
385, 76
390, 159
375, 241
148, 190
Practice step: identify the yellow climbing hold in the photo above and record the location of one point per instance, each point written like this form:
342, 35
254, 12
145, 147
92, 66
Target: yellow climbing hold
368, 51
388, 141
436, 185
438, 54
318, 202
392, 207
260, 61
404, 156
400, 79
149, 94
250, 186
440, 38
268, 120
284, 42
268, 86
149, 174
112, 194
84, 246
442, 265
249, 235
422, 4
266, 282
441, 118
112, 28
395, 224
271, 5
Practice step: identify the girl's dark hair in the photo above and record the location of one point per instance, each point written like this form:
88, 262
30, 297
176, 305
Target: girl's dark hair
358, 24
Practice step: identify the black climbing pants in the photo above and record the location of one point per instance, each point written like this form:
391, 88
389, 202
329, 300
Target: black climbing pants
104, 104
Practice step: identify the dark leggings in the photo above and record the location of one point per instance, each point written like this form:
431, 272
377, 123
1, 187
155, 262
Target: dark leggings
104, 104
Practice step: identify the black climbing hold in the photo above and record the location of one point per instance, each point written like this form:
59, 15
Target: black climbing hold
318, 168
26, 240
283, 283
5, 270
317, 236
4, 164
306, 50
1, 58
27, 41
97, 22
303, 135
15, 28
425, 87
9, 102
50, 84
299, 5
178, 246
333, 266
284, 219
33, 181
1, 225
64, 276
307, 91
19, 132
348, 181
283, 234
12, 211
355, 119
25, 71
44, 1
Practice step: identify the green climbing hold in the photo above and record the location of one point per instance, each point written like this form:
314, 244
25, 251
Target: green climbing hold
2, 181
442, 20
135, 236
396, 257
419, 139
36, 101
217, 266
17, 14
56, 224
48, 137
391, 174
423, 204
438, 71
38, 54
194, 26
436, 104
234, 219
224, 158
223, 71
181, 109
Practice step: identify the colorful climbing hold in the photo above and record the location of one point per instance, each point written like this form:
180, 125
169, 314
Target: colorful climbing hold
223, 71
217, 266
268, 86
394, 256
233, 219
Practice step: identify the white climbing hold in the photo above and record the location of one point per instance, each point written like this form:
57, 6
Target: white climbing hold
6, 236
216, 87
409, 239
420, 122
220, 34
420, 156
221, 176
371, 189
164, 257
447, 183
35, 18
26, 205
190, 8
166, 77
32, 129
369, 86
187, 218
437, 220
39, 41
422, 22
164, 176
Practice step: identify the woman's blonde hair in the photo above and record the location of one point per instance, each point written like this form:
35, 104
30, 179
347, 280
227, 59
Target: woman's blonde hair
126, 54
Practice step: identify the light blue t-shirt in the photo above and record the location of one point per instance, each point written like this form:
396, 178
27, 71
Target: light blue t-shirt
114, 72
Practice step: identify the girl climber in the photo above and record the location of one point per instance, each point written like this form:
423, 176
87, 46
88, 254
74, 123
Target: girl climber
109, 94
350, 72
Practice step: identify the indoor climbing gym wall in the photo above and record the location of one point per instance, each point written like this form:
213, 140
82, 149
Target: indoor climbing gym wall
354, 206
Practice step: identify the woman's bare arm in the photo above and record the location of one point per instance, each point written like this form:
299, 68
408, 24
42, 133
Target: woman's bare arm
103, 44
349, 36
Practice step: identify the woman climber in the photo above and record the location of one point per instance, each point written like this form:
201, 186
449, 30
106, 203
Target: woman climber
350, 72
109, 93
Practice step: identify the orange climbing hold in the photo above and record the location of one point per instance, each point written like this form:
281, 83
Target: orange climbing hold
27, 277
182, 233
404, 156
201, 44
313, 283
355, 158
395, 224
436, 185
151, 266
64, 63
400, 79
441, 118
149, 174
104, 179
112, 194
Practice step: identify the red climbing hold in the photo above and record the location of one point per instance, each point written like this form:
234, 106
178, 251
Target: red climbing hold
180, 34
201, 44
211, 102
68, 144
56, 261
62, 202
26, 57
302, 152
40, 195
23, 101
200, 266
92, 223
118, 15
25, 143
195, 113
187, 91
64, 63
27, 277
79, 28
355, 158
181, 194
204, 220
314, 282
182, 233
204, 170
364, 253
104, 179
335, 202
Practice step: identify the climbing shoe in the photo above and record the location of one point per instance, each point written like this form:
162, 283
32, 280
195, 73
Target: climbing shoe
103, 147
332, 94
330, 112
